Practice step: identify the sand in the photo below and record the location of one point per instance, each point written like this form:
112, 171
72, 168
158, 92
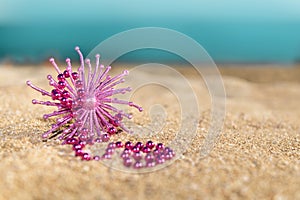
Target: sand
257, 155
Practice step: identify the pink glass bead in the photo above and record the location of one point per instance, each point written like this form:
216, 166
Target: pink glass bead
125, 155
105, 137
77, 146
78, 152
71, 141
66, 74
112, 130
106, 156
98, 140
135, 149
146, 149
126, 150
110, 150
149, 157
127, 162
159, 146
138, 165
150, 164
97, 158
112, 145
137, 156
86, 156
139, 145
128, 145
150, 144
119, 144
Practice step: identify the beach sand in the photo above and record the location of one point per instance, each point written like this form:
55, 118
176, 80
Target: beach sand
257, 155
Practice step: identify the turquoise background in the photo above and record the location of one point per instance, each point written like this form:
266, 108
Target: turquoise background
232, 31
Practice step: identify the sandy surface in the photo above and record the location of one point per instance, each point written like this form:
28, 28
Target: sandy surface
257, 155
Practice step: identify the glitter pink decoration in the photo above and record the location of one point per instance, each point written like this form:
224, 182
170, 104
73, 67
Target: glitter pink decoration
85, 114
84, 103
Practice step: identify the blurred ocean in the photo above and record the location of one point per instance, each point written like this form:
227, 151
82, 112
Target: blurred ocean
245, 33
